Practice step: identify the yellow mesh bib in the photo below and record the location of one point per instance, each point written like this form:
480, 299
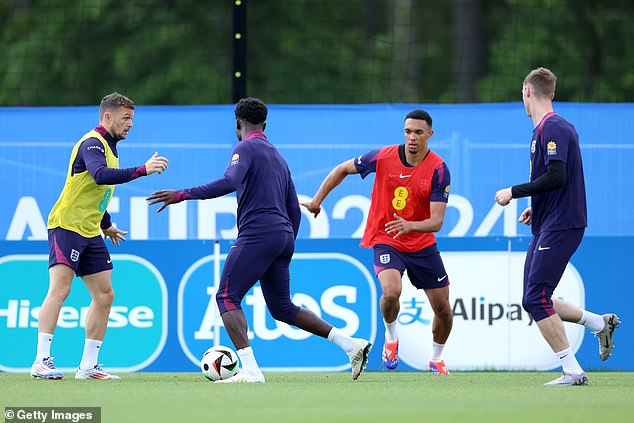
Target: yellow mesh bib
82, 203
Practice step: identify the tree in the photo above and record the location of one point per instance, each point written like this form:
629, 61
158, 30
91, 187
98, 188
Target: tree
313, 51
159, 52
582, 41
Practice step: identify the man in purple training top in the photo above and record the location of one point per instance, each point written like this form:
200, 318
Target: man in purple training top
268, 222
558, 219
75, 225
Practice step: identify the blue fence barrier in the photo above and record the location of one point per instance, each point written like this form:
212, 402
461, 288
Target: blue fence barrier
164, 316
485, 146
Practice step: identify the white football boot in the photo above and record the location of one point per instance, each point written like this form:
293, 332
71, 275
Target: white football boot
95, 373
359, 357
569, 379
45, 369
606, 335
243, 377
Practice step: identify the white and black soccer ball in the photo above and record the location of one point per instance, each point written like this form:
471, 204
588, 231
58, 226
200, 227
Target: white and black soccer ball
219, 362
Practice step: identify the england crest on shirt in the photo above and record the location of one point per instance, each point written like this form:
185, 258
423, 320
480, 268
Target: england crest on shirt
384, 258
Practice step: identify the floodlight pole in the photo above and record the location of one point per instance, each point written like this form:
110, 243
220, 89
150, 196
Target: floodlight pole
239, 50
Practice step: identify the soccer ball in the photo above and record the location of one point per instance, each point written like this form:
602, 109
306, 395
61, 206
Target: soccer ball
219, 362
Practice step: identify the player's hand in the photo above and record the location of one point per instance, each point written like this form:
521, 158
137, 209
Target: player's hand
167, 197
312, 207
398, 225
504, 196
526, 217
155, 164
115, 234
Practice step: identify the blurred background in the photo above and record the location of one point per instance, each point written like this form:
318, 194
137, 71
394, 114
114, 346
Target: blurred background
57, 52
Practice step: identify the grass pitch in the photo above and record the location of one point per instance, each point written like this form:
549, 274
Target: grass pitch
333, 397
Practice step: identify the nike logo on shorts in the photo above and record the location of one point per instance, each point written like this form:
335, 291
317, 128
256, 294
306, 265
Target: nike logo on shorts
441, 279
109, 261
540, 248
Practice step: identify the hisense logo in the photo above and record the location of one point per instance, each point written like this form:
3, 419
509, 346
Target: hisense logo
18, 314
137, 323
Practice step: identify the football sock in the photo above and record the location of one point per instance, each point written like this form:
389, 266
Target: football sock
436, 351
341, 340
569, 362
390, 331
44, 341
249, 365
91, 354
592, 321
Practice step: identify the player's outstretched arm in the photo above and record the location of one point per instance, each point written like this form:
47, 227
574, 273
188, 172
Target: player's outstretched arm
214, 189
333, 179
92, 154
167, 197
554, 178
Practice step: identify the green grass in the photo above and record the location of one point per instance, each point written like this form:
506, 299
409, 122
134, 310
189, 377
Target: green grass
332, 397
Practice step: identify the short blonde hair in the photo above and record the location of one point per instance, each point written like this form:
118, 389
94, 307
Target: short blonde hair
114, 101
543, 82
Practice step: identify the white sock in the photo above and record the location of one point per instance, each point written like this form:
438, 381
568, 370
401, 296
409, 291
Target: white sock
341, 340
44, 341
391, 335
592, 321
91, 354
249, 365
436, 351
569, 362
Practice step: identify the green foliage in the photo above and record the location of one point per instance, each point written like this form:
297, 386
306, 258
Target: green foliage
313, 52
584, 42
156, 53
307, 51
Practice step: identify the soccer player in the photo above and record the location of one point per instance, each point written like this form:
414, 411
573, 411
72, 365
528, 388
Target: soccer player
558, 219
75, 225
268, 222
409, 198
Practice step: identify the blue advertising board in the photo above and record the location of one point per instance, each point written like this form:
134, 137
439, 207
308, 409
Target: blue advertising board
486, 147
164, 315
165, 277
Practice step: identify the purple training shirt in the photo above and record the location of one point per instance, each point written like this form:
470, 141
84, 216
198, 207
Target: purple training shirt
267, 200
564, 208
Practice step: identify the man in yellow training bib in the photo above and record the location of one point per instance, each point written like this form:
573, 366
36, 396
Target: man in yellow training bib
75, 227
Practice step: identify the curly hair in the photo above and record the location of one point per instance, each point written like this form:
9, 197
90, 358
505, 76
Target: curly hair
420, 115
113, 102
252, 110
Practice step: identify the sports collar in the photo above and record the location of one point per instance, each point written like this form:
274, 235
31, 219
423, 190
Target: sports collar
256, 134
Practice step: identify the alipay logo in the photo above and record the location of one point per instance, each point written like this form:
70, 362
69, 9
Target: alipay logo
334, 286
490, 330
137, 325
